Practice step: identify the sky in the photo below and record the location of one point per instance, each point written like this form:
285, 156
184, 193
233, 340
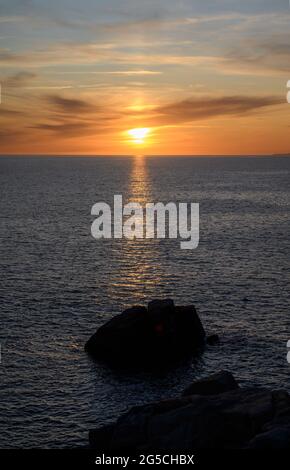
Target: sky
155, 77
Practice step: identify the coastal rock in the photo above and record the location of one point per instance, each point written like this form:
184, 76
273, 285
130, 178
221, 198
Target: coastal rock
235, 419
214, 384
161, 334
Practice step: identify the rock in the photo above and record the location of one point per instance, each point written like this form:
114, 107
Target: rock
276, 433
161, 334
236, 419
159, 307
214, 384
212, 340
122, 336
102, 436
189, 328
276, 438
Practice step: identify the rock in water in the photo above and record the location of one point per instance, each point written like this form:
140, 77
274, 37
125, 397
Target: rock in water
120, 337
161, 334
236, 419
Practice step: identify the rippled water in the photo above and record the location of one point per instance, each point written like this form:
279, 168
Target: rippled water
58, 283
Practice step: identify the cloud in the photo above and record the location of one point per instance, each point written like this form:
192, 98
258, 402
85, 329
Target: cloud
271, 57
246, 46
168, 23
108, 72
251, 58
68, 117
67, 129
12, 19
131, 72
7, 57
9, 112
19, 79
76, 128
71, 105
85, 54
196, 109
8, 135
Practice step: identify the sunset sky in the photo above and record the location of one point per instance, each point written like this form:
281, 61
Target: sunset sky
123, 77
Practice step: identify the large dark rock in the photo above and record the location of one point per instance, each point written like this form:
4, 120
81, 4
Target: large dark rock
240, 418
217, 383
158, 335
122, 336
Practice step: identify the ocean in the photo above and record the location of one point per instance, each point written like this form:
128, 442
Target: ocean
58, 284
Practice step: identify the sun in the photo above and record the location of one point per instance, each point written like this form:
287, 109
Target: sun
139, 135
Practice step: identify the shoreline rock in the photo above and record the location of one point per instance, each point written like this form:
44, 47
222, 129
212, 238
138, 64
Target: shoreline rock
220, 382
221, 416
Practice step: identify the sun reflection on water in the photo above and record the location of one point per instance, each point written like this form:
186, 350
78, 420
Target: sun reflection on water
138, 273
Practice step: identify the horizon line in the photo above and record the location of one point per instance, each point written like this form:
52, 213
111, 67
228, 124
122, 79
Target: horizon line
66, 155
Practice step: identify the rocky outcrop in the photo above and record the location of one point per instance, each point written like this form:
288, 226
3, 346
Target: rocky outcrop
229, 419
213, 385
160, 334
